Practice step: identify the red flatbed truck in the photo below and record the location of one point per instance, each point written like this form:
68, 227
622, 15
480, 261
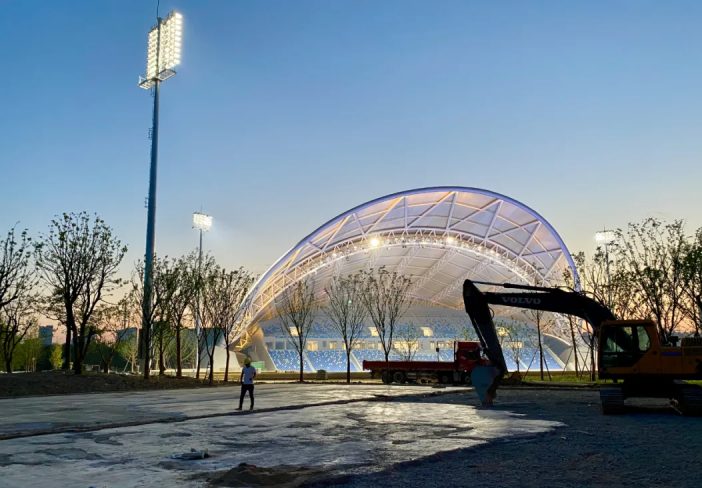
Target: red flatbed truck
466, 357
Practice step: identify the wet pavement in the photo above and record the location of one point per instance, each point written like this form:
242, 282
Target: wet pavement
41, 414
345, 438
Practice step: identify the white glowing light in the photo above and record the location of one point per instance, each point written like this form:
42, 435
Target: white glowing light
202, 221
449, 239
163, 55
374, 242
606, 236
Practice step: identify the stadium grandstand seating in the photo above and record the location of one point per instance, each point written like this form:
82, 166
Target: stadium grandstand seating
370, 355
332, 361
446, 354
288, 360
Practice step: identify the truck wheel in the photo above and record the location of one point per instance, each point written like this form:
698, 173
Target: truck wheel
445, 378
467, 380
399, 377
387, 379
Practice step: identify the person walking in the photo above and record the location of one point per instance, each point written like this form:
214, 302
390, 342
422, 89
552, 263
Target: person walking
248, 373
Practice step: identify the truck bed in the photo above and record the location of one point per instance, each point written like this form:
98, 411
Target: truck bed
410, 365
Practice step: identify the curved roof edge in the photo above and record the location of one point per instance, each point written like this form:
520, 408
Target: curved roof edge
431, 189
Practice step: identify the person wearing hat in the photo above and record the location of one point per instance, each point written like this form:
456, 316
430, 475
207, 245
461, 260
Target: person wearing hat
248, 373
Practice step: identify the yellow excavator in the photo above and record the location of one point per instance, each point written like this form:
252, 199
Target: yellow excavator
631, 352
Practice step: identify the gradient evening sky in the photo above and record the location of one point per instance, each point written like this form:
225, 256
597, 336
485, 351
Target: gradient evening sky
286, 113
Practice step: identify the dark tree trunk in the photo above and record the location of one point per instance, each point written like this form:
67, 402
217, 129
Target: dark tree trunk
179, 365
146, 350
592, 359
8, 365
541, 352
226, 367
78, 352
161, 360
67, 352
106, 366
211, 356
575, 348
302, 367
78, 364
348, 367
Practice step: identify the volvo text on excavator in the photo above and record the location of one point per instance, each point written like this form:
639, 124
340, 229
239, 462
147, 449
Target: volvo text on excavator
629, 351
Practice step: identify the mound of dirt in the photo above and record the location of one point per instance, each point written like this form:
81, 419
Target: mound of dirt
66, 382
246, 475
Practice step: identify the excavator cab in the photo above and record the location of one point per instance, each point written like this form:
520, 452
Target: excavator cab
628, 347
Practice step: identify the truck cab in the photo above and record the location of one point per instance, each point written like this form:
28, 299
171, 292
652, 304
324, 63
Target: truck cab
467, 355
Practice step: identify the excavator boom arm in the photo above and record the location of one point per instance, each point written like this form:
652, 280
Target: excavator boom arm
535, 298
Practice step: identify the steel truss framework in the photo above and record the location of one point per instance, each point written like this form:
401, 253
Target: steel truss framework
439, 236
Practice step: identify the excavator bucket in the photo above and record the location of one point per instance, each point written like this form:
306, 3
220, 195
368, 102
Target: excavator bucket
486, 379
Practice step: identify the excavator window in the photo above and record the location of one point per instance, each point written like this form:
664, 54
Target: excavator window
622, 346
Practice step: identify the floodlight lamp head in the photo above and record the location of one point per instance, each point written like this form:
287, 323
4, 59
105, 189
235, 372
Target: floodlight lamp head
202, 221
163, 52
605, 237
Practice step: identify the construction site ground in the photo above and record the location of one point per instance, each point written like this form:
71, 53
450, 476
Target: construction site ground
346, 436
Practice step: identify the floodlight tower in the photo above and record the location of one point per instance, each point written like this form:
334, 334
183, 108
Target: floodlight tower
606, 237
163, 55
203, 223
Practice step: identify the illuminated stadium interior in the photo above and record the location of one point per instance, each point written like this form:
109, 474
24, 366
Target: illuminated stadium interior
440, 237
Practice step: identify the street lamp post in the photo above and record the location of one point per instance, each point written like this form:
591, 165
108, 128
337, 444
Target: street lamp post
606, 237
163, 55
203, 223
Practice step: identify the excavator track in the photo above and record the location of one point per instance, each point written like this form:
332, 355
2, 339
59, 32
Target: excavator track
611, 400
688, 400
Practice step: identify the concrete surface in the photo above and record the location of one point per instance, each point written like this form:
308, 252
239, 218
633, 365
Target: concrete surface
356, 437
38, 414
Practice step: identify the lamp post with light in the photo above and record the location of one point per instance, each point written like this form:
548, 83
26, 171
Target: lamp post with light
606, 237
203, 223
163, 55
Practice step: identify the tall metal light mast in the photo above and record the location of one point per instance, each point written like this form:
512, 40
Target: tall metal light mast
163, 55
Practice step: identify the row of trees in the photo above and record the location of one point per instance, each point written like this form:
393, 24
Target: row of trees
650, 270
351, 300
67, 275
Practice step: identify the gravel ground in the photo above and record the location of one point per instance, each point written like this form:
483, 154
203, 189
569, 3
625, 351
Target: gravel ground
651, 446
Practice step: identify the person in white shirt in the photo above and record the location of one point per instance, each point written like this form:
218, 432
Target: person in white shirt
248, 373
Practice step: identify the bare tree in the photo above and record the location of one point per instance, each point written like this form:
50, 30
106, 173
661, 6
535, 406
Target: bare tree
347, 312
110, 334
17, 302
653, 254
163, 287
406, 341
16, 278
223, 292
184, 293
206, 266
542, 320
385, 298
79, 258
513, 335
16, 320
692, 283
296, 306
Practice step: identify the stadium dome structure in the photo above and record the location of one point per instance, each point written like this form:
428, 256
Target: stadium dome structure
439, 236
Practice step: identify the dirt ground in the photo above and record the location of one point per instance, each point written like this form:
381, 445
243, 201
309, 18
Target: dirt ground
65, 382
650, 446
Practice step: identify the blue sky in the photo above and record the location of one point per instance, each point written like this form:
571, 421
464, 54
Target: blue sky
284, 114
